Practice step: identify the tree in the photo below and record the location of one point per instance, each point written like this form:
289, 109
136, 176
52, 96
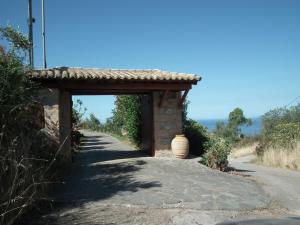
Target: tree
78, 112
127, 115
94, 122
231, 131
237, 118
16, 90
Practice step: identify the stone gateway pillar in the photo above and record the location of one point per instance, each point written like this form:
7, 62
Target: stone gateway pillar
57, 109
49, 97
167, 116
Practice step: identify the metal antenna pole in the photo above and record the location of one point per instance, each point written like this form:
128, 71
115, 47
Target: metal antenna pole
30, 36
43, 35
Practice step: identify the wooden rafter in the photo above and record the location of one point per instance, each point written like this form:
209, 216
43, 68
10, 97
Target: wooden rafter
182, 99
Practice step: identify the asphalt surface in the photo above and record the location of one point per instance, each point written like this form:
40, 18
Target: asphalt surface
282, 185
111, 183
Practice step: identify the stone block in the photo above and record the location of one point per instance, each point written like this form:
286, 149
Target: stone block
167, 120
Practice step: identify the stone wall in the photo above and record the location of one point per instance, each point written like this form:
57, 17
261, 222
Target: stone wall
147, 124
50, 100
167, 121
57, 109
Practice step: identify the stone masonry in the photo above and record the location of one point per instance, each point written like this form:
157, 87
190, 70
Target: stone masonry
50, 100
57, 109
167, 121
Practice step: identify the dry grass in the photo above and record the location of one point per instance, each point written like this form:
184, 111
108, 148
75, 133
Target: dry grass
274, 157
243, 151
282, 158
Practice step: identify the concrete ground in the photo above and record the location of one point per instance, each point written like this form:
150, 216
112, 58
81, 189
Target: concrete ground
282, 184
111, 183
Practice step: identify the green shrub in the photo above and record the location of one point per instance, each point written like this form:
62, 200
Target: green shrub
26, 151
92, 123
217, 151
279, 145
110, 127
76, 139
284, 135
281, 128
127, 115
214, 149
280, 116
78, 112
197, 136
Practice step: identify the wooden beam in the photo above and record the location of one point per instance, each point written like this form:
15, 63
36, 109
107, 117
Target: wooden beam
182, 99
162, 97
79, 86
108, 92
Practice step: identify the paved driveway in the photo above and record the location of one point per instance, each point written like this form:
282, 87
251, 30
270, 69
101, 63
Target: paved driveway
282, 184
111, 183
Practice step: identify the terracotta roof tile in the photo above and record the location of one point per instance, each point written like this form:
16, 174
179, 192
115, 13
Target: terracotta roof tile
109, 74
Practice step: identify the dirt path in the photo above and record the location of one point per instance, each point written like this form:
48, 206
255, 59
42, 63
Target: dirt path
111, 183
282, 184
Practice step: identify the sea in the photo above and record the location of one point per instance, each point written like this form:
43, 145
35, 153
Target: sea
254, 129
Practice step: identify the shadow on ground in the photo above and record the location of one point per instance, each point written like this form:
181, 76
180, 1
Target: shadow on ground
97, 154
101, 181
233, 169
98, 173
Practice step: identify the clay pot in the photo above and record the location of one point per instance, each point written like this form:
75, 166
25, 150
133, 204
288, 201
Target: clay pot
180, 146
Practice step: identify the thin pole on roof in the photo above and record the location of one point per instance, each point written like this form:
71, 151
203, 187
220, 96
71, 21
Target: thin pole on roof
30, 33
44, 35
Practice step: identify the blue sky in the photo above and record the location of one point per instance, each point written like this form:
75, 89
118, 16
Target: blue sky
248, 52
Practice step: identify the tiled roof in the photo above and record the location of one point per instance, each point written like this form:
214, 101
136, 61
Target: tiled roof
112, 74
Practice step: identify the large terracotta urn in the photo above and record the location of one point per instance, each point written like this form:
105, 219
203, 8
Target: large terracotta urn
180, 146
